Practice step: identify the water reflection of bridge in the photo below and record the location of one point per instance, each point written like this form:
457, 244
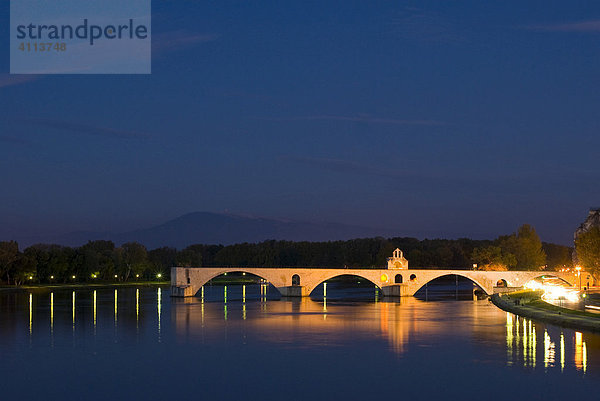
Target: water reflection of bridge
403, 323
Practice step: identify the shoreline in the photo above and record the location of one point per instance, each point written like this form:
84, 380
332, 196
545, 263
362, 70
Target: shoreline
563, 317
84, 285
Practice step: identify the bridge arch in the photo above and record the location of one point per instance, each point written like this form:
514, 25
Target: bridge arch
371, 280
481, 286
543, 276
225, 272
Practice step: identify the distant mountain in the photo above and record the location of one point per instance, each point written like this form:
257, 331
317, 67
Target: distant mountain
216, 228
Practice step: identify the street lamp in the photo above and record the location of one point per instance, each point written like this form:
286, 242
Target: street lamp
578, 268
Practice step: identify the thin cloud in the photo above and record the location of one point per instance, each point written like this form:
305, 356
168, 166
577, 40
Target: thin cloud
176, 40
365, 119
13, 80
589, 26
87, 129
423, 181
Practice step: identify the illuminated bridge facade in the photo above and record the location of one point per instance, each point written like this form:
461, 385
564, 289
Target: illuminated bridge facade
300, 282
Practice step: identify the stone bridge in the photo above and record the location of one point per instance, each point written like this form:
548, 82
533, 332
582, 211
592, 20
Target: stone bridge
300, 282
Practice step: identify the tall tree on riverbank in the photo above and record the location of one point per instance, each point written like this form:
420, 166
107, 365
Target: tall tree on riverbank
558, 256
587, 245
493, 258
134, 259
526, 245
9, 253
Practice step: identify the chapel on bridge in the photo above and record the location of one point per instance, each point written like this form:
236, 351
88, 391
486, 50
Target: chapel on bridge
397, 261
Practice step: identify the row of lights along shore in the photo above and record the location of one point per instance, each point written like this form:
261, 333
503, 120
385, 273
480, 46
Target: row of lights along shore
158, 275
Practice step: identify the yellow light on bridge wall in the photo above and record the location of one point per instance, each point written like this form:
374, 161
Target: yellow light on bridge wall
384, 278
159, 275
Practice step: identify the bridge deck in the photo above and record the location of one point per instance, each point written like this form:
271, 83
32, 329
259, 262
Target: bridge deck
186, 281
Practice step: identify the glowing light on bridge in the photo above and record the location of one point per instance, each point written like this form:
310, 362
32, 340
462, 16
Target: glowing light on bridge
553, 291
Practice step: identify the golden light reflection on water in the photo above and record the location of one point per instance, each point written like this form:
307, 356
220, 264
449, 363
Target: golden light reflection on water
522, 345
244, 302
158, 308
116, 307
73, 313
30, 314
225, 302
137, 308
548, 350
509, 336
580, 357
562, 351
51, 312
402, 322
584, 357
95, 304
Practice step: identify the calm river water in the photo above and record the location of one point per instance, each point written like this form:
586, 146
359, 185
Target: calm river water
244, 343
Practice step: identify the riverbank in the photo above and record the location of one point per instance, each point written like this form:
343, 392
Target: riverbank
529, 304
85, 285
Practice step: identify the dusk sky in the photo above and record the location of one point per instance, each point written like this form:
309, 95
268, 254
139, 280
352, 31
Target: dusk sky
431, 118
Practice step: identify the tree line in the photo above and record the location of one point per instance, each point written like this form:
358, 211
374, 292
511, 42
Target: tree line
102, 261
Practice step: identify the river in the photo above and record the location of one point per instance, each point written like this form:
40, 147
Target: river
244, 342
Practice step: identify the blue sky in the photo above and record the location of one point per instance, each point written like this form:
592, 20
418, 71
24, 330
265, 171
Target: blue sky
433, 118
